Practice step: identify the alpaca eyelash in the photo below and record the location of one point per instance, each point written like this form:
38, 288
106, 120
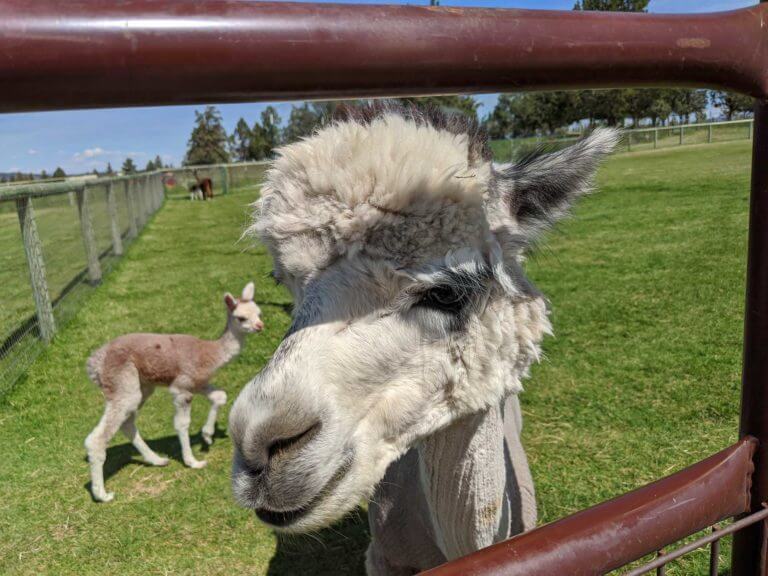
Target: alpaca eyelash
444, 298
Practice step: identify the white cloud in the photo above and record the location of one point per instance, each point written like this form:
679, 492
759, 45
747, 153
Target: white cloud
90, 153
31, 151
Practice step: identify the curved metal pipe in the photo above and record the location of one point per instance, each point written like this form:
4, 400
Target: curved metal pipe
101, 53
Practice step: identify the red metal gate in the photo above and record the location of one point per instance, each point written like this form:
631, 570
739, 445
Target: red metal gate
98, 53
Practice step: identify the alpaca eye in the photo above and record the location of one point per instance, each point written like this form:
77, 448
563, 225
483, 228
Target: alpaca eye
444, 298
274, 277
240, 318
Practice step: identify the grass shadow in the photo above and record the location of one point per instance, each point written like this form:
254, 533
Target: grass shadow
339, 549
122, 455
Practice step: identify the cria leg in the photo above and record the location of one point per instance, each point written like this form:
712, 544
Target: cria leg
130, 430
182, 400
116, 411
217, 398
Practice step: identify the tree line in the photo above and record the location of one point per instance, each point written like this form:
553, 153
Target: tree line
515, 115
209, 142
128, 167
548, 113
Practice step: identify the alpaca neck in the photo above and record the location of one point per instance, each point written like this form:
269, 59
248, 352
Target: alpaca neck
464, 477
230, 343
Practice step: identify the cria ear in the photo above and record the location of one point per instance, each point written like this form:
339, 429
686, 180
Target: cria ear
248, 292
540, 188
230, 301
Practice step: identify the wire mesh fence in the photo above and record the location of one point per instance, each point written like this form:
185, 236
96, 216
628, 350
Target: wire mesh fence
58, 239
636, 140
664, 137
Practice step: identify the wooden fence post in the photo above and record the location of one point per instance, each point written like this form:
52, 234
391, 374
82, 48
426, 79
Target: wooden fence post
159, 190
681, 134
86, 226
36, 264
132, 217
629, 141
156, 189
138, 186
117, 238
155, 195
709, 135
655, 138
224, 179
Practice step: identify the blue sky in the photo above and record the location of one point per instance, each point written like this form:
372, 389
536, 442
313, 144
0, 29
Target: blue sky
80, 141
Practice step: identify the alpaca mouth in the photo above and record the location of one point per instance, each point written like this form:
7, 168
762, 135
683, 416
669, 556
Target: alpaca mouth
285, 518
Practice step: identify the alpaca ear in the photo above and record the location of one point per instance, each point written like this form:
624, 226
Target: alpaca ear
539, 189
230, 301
248, 292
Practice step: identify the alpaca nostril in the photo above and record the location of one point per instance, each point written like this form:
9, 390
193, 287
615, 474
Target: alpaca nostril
254, 472
284, 445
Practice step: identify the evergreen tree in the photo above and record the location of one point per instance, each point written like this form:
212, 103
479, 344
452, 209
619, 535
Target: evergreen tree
109, 170
150, 167
59, 173
129, 167
270, 124
208, 141
301, 122
613, 5
241, 141
43, 175
455, 103
265, 136
158, 163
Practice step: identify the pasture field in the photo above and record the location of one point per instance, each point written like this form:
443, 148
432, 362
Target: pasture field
641, 378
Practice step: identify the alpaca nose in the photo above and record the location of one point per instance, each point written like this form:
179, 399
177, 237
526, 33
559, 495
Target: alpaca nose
282, 447
258, 325
270, 443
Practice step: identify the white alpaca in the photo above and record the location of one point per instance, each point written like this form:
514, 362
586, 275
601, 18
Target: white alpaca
414, 325
128, 368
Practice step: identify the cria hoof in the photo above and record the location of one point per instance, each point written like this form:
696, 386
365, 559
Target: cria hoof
106, 497
207, 438
198, 464
159, 462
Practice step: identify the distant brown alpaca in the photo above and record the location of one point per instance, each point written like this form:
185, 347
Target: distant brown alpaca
205, 185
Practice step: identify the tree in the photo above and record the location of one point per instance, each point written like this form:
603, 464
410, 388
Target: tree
208, 141
240, 142
129, 167
463, 104
109, 170
270, 124
43, 175
685, 103
301, 122
158, 163
265, 136
613, 5
732, 104
150, 167
59, 173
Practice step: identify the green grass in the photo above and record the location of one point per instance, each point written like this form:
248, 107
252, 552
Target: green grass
641, 379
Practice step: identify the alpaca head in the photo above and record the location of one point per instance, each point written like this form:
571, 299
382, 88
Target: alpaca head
243, 315
402, 246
